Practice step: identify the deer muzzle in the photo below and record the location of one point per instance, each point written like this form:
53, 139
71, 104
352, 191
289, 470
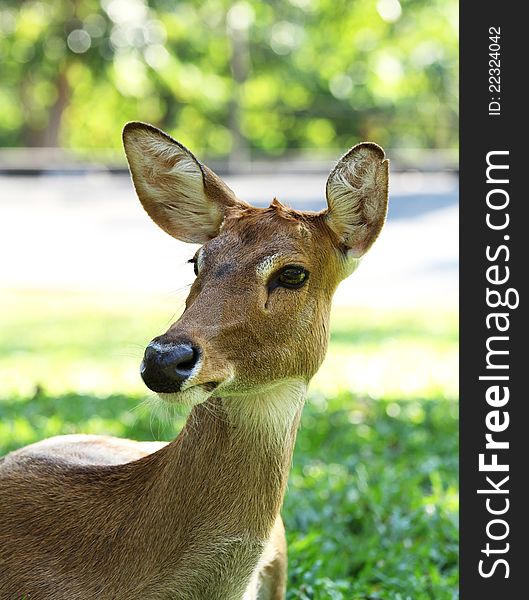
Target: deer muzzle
168, 365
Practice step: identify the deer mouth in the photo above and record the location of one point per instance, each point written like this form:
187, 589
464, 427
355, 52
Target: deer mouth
190, 396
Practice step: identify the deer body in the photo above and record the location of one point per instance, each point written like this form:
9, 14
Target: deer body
86, 517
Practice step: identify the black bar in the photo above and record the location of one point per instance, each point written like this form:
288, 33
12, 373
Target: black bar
493, 119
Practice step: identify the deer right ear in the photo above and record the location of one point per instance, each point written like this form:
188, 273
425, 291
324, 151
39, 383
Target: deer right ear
357, 196
181, 195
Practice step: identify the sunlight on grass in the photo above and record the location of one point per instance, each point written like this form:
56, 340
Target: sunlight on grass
94, 344
91, 344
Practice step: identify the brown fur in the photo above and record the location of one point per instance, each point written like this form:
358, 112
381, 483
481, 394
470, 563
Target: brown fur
85, 517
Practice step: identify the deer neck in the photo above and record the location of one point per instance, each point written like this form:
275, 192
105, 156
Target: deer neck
230, 464
212, 496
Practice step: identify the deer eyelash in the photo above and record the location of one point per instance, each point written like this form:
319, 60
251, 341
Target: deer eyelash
194, 262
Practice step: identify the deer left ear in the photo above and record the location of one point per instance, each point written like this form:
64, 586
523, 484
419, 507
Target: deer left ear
179, 193
357, 196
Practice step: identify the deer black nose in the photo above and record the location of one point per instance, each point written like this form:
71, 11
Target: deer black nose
166, 366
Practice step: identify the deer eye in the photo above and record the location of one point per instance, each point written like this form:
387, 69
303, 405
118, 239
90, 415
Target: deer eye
292, 277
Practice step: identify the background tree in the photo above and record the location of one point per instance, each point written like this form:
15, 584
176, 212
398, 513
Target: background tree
250, 76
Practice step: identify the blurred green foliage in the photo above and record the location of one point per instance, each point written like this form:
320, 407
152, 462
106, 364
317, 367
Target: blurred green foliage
230, 77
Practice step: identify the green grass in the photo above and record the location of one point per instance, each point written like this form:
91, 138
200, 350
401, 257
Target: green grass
371, 509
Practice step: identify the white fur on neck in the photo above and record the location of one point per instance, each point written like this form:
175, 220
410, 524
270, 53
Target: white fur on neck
269, 413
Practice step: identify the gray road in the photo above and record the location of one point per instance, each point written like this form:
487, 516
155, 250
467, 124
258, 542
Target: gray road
89, 232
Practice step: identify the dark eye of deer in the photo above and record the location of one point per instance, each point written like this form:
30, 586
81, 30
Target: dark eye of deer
291, 277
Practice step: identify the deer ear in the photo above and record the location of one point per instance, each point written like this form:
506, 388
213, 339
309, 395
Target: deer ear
357, 196
181, 195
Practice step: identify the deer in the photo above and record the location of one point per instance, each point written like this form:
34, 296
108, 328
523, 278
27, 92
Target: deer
198, 518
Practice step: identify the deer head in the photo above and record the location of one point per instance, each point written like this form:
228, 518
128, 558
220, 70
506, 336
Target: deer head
257, 313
